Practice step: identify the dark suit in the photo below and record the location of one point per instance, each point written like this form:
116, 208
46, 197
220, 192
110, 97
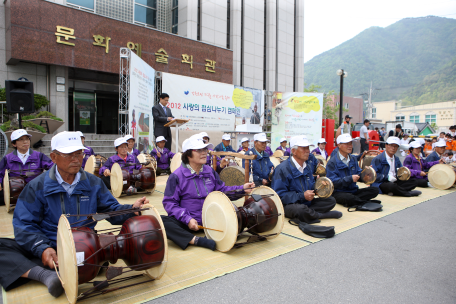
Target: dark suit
160, 120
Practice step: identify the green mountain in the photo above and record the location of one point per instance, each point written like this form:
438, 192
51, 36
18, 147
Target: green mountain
394, 58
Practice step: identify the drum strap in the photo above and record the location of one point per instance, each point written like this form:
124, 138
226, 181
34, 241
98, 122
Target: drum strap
62, 203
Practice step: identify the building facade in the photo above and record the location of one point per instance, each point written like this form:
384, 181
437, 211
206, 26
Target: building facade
352, 106
443, 114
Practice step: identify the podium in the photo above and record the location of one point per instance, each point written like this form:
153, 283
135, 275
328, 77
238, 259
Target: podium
177, 123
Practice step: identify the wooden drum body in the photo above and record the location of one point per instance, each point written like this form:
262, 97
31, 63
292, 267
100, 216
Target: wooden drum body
12, 187
147, 158
233, 176
442, 176
121, 179
262, 215
141, 244
94, 163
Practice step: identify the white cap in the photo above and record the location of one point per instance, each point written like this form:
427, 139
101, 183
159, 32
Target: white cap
67, 142
299, 141
421, 140
244, 139
128, 136
226, 137
193, 143
415, 144
80, 134
440, 143
18, 134
282, 139
204, 134
322, 140
304, 137
160, 138
393, 140
344, 138
119, 141
260, 137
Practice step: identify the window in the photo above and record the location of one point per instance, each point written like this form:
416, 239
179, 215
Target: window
400, 118
174, 16
346, 105
415, 118
431, 118
337, 103
374, 113
146, 12
83, 3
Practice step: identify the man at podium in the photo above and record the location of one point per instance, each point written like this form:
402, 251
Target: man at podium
162, 115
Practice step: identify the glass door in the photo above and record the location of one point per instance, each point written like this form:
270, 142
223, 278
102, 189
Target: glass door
85, 112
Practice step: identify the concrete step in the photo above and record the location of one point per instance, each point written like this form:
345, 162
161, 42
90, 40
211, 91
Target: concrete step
89, 143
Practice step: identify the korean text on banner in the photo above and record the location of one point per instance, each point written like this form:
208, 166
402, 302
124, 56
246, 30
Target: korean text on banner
294, 114
142, 82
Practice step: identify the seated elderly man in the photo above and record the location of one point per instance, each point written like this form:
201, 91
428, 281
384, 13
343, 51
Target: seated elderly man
244, 145
224, 146
417, 165
294, 182
185, 192
386, 165
439, 150
262, 165
64, 189
343, 171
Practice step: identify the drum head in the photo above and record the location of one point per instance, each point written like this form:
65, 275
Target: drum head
116, 180
90, 164
66, 252
321, 159
403, 173
278, 153
442, 176
6, 191
219, 213
264, 190
144, 158
157, 272
275, 161
233, 176
324, 187
368, 176
176, 162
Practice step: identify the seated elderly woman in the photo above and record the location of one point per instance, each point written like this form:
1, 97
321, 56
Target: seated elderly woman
131, 145
320, 150
162, 155
283, 147
64, 189
417, 165
125, 160
185, 192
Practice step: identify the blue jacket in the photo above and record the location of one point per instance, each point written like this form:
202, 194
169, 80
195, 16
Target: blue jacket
44, 200
221, 148
432, 157
312, 161
358, 157
290, 184
381, 166
261, 166
341, 174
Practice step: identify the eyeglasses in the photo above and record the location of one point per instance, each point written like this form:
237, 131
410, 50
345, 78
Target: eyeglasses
203, 150
72, 155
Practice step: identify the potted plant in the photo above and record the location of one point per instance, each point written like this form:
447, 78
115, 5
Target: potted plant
46, 120
35, 130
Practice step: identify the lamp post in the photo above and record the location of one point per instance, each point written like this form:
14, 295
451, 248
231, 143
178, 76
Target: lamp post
342, 75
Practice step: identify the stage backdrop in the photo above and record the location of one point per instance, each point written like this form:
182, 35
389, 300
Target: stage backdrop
296, 114
249, 105
142, 82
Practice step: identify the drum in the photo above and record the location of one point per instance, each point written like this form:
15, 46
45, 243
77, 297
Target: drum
261, 214
321, 170
368, 175
147, 158
324, 187
277, 153
233, 176
121, 179
403, 173
275, 161
94, 163
442, 176
176, 162
141, 241
12, 187
283, 158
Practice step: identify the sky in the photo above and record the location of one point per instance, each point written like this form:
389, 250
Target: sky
328, 23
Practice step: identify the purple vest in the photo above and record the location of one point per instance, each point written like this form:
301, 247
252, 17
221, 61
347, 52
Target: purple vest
132, 161
87, 153
163, 161
35, 163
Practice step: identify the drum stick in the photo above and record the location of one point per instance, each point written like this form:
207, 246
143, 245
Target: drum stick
201, 227
55, 268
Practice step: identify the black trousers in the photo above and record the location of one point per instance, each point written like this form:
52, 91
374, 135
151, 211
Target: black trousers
309, 214
364, 145
169, 141
401, 188
107, 181
14, 262
177, 231
166, 171
2, 199
358, 198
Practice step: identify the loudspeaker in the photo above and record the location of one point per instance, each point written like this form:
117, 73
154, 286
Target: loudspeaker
19, 96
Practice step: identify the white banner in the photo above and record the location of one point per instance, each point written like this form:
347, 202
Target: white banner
208, 104
142, 82
296, 114
249, 106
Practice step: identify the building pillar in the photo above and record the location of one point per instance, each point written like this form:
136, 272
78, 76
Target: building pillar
59, 100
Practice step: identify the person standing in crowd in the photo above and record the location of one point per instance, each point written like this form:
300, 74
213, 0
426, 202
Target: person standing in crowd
294, 182
131, 145
22, 160
404, 142
224, 146
453, 131
364, 134
345, 127
262, 165
163, 156
320, 150
88, 150
397, 133
427, 147
162, 115
449, 142
434, 141
244, 145
283, 147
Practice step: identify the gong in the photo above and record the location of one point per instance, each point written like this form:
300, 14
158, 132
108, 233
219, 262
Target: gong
233, 176
403, 173
324, 187
368, 175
